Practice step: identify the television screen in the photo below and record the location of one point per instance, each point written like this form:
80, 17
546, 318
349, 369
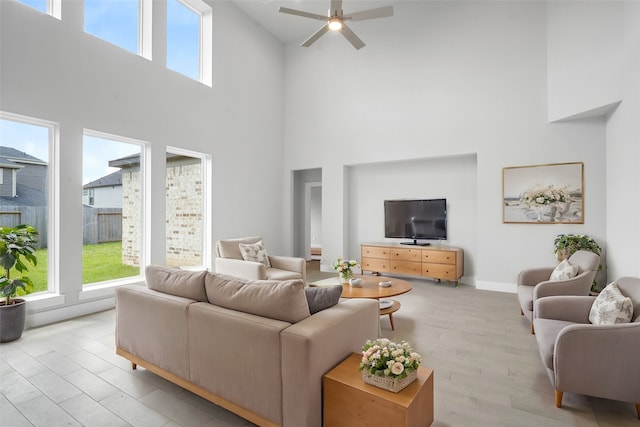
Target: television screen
416, 219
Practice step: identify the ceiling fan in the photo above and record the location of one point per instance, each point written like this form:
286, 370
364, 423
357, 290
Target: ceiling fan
335, 21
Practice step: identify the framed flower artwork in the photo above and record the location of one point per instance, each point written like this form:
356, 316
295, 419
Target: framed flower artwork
543, 194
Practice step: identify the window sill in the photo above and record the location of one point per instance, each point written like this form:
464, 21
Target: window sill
43, 300
107, 289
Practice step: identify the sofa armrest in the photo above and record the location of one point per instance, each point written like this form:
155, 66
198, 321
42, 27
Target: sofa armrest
241, 268
569, 308
314, 346
533, 276
599, 360
579, 285
299, 265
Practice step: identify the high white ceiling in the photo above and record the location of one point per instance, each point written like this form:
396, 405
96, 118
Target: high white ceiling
290, 28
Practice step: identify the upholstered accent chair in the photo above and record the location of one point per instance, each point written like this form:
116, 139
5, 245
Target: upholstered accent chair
601, 360
535, 283
230, 261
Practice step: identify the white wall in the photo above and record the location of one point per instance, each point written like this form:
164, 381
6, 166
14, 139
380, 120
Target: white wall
51, 69
594, 64
584, 57
440, 79
623, 157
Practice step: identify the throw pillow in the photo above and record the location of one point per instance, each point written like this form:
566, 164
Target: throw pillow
173, 281
254, 252
563, 271
279, 300
320, 298
611, 307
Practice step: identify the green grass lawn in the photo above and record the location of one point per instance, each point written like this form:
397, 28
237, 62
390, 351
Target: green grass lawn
99, 262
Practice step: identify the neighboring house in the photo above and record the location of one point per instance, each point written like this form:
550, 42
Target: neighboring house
22, 176
105, 192
23, 190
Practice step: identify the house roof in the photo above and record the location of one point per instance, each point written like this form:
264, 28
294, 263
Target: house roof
12, 158
26, 197
110, 180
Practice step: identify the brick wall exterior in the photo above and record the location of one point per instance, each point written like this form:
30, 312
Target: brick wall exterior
184, 214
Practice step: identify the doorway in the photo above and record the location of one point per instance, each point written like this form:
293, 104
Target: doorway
307, 214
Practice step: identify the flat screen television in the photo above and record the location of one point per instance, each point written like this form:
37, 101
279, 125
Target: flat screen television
416, 220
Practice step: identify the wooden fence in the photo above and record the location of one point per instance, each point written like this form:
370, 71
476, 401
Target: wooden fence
101, 225
10, 216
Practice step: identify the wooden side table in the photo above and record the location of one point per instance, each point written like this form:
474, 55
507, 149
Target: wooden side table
348, 401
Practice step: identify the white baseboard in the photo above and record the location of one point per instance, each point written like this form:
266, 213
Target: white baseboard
68, 312
496, 286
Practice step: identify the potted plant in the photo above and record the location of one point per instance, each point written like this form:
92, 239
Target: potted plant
566, 244
17, 250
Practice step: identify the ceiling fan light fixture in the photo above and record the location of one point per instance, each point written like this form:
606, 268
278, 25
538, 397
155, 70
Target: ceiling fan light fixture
335, 24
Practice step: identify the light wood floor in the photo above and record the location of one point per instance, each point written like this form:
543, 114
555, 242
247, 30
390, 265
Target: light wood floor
487, 371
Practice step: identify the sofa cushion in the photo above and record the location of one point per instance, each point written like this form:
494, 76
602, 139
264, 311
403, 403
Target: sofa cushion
254, 252
320, 298
280, 300
173, 281
564, 271
611, 307
547, 331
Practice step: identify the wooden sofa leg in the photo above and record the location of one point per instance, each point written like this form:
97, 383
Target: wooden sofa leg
558, 399
638, 409
532, 331
134, 366
521, 312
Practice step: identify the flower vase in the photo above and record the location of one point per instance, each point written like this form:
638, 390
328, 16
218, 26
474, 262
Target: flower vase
345, 276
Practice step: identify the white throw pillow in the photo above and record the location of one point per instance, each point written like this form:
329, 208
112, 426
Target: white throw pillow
255, 252
611, 307
563, 271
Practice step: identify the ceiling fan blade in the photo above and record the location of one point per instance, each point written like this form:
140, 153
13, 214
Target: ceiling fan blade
351, 36
308, 42
380, 12
301, 13
336, 8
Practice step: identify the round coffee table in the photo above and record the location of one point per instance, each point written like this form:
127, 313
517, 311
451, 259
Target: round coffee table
369, 288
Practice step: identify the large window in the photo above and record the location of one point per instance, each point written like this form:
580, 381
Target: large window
189, 32
24, 185
113, 21
186, 209
112, 207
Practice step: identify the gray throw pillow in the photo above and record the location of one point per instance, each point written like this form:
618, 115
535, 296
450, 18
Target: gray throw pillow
323, 297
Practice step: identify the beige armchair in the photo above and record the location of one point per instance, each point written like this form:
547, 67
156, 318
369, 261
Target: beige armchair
534, 283
229, 261
594, 360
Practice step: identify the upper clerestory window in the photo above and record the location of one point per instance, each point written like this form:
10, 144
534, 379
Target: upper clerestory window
114, 21
189, 39
50, 7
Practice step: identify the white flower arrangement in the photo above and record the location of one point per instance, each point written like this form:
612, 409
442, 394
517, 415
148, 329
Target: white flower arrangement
385, 358
343, 266
544, 196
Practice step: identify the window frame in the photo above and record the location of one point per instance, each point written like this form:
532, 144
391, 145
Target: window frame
94, 289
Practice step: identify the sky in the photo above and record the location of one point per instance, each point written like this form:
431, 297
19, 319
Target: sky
33, 140
115, 21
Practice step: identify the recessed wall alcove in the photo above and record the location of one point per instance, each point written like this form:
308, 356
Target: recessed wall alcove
452, 177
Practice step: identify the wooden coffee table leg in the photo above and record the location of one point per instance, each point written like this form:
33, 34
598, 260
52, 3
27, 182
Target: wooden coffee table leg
390, 310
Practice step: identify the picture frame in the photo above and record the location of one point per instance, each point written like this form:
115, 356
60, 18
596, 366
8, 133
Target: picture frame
543, 194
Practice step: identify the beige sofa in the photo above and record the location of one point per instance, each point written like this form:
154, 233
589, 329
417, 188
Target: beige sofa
252, 347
